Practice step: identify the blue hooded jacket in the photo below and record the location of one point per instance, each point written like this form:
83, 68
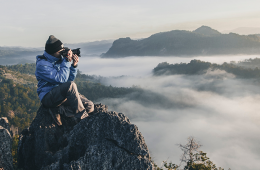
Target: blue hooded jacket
51, 72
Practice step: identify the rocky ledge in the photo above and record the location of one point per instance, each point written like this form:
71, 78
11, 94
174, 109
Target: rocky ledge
6, 159
104, 140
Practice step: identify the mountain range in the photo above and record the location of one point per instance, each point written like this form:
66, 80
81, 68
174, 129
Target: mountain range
202, 41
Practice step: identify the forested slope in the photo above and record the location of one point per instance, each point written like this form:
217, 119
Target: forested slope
19, 100
244, 69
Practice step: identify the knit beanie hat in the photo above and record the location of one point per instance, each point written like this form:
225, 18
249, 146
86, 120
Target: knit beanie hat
53, 45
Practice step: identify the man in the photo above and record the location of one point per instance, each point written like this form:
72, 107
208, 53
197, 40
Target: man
55, 74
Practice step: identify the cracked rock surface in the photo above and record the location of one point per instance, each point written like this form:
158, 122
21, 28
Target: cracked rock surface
6, 159
104, 140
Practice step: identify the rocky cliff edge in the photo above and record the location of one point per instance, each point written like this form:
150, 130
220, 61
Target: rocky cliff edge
104, 140
6, 159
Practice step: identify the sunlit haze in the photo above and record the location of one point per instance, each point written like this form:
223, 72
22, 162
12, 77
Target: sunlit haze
29, 23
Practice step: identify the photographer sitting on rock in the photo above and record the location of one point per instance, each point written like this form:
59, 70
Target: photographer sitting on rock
55, 74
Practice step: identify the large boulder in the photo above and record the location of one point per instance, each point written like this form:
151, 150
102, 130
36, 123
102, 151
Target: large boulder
104, 140
6, 159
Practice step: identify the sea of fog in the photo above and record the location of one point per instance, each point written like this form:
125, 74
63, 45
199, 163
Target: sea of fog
218, 109
142, 66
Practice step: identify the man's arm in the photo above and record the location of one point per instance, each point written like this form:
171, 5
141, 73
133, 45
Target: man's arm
49, 73
73, 73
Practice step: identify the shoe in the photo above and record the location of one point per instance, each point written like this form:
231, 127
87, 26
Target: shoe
55, 116
82, 115
89, 106
90, 110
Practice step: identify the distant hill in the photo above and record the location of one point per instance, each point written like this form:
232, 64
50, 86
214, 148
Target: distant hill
244, 69
207, 31
18, 55
92, 48
22, 55
202, 41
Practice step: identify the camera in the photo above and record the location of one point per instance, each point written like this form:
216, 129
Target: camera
74, 51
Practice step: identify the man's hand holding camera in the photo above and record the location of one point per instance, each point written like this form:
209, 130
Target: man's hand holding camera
73, 57
69, 56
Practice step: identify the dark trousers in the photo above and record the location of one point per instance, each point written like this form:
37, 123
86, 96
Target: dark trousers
67, 94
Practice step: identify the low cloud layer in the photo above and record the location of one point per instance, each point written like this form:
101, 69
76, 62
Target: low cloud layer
218, 109
142, 66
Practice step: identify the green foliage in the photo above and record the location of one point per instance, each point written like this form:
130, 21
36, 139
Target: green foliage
14, 150
202, 162
156, 166
21, 100
201, 67
21, 74
23, 68
193, 159
170, 166
194, 67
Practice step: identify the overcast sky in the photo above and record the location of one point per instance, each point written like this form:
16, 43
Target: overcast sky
29, 23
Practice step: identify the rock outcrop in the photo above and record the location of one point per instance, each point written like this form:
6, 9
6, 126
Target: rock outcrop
6, 159
104, 140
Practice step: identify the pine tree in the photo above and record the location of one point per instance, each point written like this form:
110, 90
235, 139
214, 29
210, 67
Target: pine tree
193, 158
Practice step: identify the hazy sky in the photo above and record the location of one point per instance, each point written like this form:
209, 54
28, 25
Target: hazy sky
29, 23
